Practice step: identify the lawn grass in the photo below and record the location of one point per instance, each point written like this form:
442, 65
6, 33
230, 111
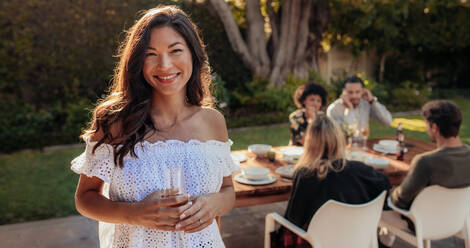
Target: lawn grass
39, 185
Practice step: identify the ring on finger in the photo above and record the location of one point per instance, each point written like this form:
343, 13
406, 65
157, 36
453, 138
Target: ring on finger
200, 221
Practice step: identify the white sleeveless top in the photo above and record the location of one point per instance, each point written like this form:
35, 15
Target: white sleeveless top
204, 165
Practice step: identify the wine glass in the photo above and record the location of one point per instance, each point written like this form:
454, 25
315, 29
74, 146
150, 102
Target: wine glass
355, 134
174, 182
365, 134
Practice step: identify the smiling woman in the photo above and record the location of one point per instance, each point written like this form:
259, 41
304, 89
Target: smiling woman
153, 122
168, 62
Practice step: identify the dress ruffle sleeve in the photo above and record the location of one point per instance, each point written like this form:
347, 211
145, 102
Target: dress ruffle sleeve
100, 164
226, 162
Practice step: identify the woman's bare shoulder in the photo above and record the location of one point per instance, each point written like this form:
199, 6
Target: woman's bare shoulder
214, 123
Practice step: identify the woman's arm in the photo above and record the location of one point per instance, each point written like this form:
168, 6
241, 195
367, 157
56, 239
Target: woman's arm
151, 212
154, 211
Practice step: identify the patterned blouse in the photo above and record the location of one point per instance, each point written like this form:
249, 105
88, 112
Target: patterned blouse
298, 125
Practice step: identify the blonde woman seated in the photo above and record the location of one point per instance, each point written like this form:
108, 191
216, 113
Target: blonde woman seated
323, 173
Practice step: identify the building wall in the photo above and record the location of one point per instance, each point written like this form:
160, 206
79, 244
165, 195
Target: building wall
338, 62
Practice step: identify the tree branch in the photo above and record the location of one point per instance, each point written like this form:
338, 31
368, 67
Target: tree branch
256, 37
233, 32
273, 23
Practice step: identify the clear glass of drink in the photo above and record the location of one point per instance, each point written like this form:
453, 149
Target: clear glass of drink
174, 182
365, 134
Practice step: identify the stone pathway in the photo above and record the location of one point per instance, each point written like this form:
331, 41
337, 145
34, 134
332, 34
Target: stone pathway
242, 228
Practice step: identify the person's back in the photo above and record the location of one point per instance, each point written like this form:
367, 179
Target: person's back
322, 173
357, 183
450, 166
447, 166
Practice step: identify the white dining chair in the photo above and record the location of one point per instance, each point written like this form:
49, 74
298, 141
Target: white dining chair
436, 212
336, 224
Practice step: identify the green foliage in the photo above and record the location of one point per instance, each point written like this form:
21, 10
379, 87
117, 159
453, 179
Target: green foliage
428, 40
260, 96
219, 92
22, 126
410, 96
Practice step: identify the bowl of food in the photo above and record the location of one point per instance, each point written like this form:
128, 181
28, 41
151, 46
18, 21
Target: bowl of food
255, 173
261, 150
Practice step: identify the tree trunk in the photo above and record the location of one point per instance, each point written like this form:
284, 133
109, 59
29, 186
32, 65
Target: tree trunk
383, 59
296, 37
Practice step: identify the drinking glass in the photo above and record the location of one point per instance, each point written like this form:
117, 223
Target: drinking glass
365, 134
174, 181
355, 138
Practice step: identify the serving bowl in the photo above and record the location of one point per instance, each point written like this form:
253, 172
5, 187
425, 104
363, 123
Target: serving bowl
261, 150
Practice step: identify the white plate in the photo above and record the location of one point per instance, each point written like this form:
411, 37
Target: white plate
286, 171
392, 143
382, 149
292, 151
241, 179
238, 157
377, 163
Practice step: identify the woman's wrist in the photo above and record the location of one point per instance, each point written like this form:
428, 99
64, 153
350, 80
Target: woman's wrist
129, 212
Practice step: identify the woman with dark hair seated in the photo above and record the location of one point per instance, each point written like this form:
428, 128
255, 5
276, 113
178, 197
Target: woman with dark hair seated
309, 98
323, 173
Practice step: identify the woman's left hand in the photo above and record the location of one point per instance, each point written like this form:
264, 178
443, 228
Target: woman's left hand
200, 215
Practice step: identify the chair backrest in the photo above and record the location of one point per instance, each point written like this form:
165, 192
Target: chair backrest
440, 212
339, 225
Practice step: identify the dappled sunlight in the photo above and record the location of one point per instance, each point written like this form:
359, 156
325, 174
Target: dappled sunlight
410, 124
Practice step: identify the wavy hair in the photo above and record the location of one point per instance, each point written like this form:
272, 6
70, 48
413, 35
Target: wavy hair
324, 144
124, 115
307, 89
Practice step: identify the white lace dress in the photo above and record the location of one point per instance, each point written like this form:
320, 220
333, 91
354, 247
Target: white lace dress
204, 165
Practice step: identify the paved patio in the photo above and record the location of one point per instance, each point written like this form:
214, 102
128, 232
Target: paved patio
242, 228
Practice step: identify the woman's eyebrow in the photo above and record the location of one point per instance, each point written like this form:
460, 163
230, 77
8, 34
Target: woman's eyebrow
174, 44
170, 46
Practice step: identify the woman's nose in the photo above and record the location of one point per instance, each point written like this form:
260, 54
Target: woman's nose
164, 62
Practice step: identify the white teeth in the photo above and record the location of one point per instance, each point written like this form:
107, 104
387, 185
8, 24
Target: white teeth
168, 77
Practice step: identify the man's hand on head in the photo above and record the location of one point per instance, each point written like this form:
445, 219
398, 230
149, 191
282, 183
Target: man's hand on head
345, 100
367, 95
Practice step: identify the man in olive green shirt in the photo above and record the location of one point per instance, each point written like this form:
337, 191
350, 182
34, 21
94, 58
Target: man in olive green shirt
448, 165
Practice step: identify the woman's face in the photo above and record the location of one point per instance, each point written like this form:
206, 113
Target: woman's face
312, 103
168, 62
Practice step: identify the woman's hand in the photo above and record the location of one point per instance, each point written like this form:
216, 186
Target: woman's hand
200, 215
158, 211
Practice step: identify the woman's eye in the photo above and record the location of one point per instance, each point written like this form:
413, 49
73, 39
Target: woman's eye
176, 51
150, 54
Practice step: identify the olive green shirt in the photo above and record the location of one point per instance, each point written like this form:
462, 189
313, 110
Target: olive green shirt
447, 166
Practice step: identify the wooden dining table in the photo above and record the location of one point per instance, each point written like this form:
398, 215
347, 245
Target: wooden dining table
249, 195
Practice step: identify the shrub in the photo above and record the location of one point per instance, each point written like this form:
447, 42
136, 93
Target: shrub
409, 96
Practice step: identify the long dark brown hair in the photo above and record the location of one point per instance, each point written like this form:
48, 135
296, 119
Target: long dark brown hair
124, 115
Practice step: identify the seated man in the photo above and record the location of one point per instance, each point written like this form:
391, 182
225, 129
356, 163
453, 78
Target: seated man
356, 105
447, 165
